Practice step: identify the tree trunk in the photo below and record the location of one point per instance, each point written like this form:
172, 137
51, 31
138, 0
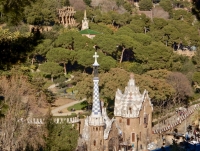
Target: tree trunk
113, 22
32, 60
65, 69
122, 55
145, 30
52, 78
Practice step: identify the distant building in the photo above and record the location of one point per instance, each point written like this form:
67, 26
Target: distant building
85, 22
133, 113
85, 31
129, 128
89, 33
66, 16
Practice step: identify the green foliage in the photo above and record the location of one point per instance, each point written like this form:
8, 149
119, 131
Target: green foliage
41, 12
110, 17
103, 29
166, 5
60, 79
78, 106
43, 47
59, 133
195, 60
84, 58
13, 10
159, 23
154, 56
119, 2
159, 89
107, 63
79, 16
22, 28
84, 87
65, 3
133, 67
128, 7
51, 68
142, 38
196, 77
50, 97
181, 4
188, 67
87, 2
73, 40
139, 23
107, 47
145, 5
4, 107
182, 15
61, 56
14, 47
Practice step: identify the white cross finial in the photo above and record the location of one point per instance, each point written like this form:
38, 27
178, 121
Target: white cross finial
95, 61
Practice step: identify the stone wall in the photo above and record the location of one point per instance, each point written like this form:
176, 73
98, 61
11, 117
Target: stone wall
134, 130
112, 143
40, 121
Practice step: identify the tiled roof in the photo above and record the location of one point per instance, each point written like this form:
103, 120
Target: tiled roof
89, 32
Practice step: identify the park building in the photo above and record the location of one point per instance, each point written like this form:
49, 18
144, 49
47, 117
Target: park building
85, 31
129, 129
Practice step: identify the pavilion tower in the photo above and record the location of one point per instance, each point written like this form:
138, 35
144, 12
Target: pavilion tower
96, 121
85, 22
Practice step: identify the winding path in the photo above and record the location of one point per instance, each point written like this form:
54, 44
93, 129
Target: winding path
56, 110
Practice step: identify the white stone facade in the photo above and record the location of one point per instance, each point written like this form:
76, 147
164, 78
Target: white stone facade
129, 103
85, 22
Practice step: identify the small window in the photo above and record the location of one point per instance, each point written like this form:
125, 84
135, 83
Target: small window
133, 137
146, 119
130, 110
94, 142
96, 128
128, 121
100, 142
120, 120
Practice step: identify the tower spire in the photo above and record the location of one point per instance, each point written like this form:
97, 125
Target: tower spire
85, 17
96, 109
85, 22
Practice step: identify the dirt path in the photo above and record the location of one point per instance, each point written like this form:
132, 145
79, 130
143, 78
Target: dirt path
60, 108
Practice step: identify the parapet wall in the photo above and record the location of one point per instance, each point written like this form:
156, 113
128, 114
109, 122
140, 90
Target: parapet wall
40, 121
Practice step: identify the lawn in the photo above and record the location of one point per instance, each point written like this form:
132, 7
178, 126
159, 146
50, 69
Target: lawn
78, 106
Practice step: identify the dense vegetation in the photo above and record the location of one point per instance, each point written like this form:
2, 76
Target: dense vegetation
127, 42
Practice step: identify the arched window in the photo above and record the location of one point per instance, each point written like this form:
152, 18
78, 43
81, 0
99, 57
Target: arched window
96, 128
94, 142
